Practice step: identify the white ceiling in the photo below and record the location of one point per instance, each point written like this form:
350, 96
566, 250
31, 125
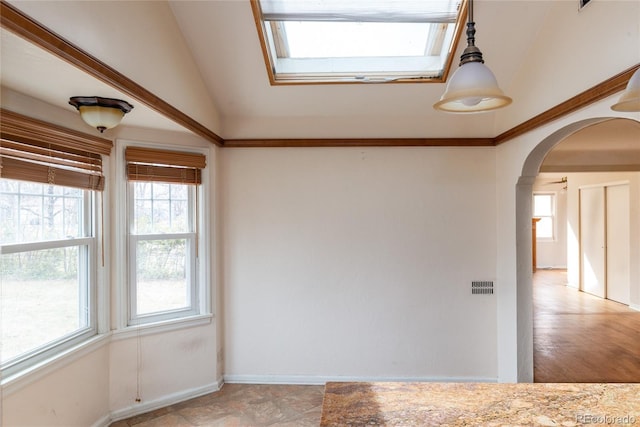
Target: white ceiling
222, 42
612, 145
31, 71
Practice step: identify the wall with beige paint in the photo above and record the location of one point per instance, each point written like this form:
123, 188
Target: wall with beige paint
357, 263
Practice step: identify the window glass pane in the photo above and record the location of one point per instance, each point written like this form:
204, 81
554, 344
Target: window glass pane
142, 190
542, 204
43, 298
161, 216
544, 228
355, 39
9, 213
161, 276
161, 208
34, 212
161, 191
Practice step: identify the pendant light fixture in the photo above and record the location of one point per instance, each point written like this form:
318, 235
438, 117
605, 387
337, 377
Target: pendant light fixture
472, 87
101, 113
630, 98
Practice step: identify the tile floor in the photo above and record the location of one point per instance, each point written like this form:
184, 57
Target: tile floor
241, 405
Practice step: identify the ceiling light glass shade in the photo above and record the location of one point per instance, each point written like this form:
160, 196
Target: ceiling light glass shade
101, 113
101, 118
630, 98
472, 88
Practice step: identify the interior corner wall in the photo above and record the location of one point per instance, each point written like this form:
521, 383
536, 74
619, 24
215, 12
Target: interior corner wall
357, 263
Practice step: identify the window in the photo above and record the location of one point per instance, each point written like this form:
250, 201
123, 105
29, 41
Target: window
48, 293
163, 193
357, 41
47, 255
544, 207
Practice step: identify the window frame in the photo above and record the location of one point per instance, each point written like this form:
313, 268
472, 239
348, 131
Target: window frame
552, 216
190, 238
273, 43
202, 309
87, 282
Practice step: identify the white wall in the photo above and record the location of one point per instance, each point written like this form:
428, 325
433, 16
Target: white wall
357, 263
161, 369
74, 392
573, 51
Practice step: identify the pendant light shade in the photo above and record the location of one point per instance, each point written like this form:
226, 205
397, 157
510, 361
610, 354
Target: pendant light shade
101, 113
472, 88
630, 98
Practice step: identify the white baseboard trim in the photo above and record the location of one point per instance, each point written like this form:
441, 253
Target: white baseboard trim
635, 307
170, 399
321, 380
103, 422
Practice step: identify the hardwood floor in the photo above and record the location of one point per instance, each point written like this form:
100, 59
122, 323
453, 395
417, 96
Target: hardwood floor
578, 337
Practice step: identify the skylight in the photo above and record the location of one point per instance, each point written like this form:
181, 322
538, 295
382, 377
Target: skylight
316, 41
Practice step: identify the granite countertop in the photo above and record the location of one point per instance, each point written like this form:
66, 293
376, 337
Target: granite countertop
480, 404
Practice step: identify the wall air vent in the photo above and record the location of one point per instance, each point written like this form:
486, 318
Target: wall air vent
482, 288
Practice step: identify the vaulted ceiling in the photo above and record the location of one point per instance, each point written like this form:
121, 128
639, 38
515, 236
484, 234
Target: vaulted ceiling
204, 59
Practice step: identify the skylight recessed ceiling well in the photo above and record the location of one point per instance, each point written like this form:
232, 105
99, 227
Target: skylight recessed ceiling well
350, 41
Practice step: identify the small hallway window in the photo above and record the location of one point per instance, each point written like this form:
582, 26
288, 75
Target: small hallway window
544, 207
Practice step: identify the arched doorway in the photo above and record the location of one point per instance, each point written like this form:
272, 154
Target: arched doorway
524, 277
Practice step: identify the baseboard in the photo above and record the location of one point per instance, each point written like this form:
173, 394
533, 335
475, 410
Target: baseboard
321, 380
635, 307
163, 401
103, 422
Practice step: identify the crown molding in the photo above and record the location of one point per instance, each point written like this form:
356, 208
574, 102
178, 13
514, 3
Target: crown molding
600, 91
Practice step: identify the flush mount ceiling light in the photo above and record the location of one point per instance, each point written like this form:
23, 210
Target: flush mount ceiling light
100, 113
473, 87
630, 98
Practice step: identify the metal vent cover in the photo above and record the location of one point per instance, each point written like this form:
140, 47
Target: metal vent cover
482, 288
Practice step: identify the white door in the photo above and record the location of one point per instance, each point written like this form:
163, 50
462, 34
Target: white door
618, 243
592, 240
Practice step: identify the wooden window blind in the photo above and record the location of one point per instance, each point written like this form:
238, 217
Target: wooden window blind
174, 167
37, 151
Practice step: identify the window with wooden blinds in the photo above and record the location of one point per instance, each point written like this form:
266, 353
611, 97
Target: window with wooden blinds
174, 167
37, 151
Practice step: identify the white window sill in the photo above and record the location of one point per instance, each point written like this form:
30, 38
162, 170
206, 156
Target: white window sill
160, 327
